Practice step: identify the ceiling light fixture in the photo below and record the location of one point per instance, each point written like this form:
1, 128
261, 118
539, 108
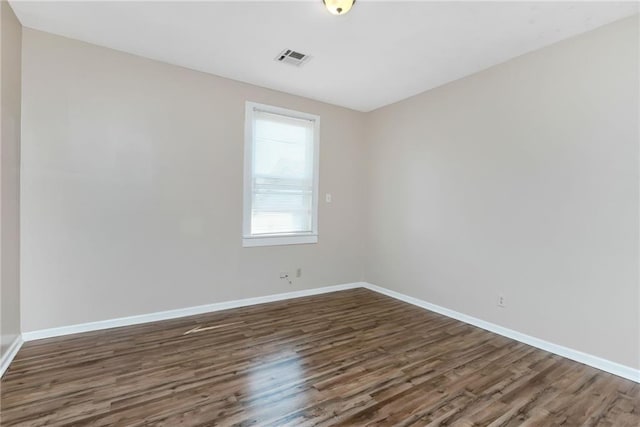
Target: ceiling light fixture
338, 7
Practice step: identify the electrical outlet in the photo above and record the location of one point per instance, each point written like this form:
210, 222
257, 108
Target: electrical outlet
501, 301
299, 272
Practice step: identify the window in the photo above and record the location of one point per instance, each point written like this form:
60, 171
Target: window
280, 176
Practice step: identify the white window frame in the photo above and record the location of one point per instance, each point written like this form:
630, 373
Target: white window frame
249, 240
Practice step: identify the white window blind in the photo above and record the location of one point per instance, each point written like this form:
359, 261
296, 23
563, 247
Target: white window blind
280, 176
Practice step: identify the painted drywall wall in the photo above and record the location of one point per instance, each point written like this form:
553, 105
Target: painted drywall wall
521, 180
132, 188
10, 75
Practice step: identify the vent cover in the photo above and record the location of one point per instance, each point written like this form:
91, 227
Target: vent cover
292, 57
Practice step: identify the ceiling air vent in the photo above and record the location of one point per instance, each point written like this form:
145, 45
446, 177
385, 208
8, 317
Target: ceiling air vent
292, 57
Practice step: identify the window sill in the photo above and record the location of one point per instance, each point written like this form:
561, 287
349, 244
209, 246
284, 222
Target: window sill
249, 242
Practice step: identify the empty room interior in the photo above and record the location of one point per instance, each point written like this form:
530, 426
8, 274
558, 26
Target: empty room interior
320, 213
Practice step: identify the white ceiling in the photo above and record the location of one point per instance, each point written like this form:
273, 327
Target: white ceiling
379, 53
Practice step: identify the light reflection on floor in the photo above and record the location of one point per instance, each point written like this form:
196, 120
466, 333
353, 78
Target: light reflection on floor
278, 382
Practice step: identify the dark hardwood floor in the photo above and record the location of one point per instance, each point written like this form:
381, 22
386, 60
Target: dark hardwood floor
346, 358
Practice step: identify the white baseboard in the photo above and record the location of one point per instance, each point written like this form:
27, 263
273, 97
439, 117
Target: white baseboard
7, 358
181, 312
588, 359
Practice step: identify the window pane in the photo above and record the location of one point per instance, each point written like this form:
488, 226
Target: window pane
283, 147
282, 176
278, 212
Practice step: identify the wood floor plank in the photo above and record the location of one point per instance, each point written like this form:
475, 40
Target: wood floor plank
347, 358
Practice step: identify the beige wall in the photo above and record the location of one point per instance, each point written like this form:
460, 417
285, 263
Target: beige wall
10, 52
520, 180
132, 188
